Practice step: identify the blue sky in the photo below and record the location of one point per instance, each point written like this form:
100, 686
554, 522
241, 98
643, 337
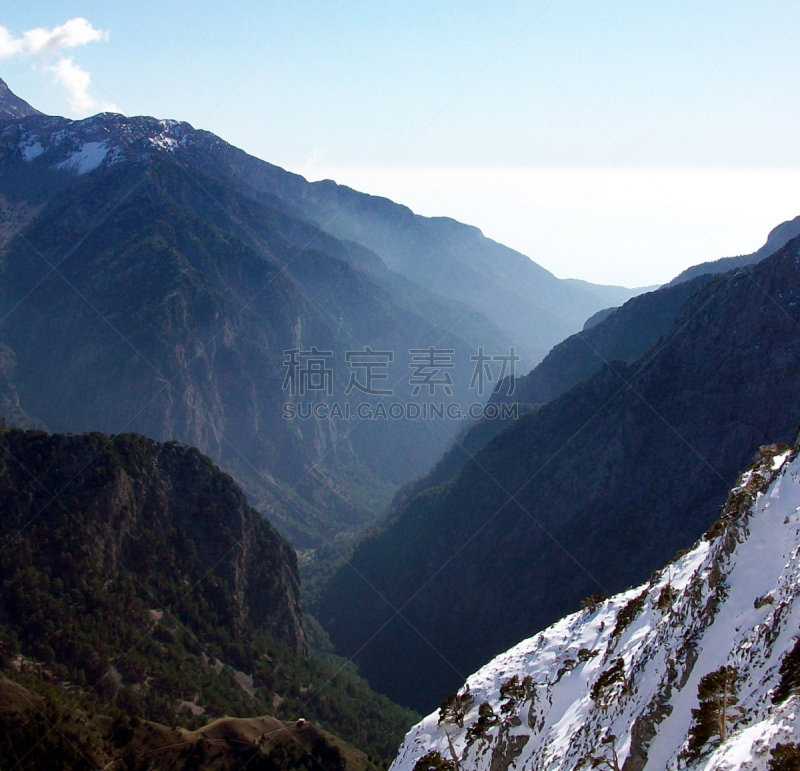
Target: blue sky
615, 141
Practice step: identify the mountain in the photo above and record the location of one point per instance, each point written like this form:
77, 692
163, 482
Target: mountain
153, 277
778, 237
697, 669
586, 495
11, 106
596, 318
137, 581
533, 308
142, 296
619, 334
624, 335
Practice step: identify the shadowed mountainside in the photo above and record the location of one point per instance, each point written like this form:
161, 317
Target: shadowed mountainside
586, 495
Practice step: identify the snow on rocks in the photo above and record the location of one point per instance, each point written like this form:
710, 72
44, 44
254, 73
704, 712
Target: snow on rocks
108, 139
614, 685
30, 149
88, 158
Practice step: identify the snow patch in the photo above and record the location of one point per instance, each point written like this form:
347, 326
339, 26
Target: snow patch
87, 159
30, 150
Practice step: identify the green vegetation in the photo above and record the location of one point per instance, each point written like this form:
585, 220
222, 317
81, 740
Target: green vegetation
487, 719
593, 602
609, 758
513, 692
123, 597
628, 613
433, 761
42, 734
666, 598
717, 711
611, 683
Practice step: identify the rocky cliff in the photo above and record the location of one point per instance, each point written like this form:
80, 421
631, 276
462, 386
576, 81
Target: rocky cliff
695, 669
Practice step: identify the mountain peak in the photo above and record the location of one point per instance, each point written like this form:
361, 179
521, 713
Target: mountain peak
11, 106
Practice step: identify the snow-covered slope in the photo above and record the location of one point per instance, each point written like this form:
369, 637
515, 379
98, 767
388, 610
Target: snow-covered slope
621, 676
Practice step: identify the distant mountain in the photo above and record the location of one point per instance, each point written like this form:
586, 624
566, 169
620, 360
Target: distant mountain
172, 302
623, 335
11, 106
697, 669
596, 318
586, 495
778, 237
617, 335
153, 275
528, 303
139, 583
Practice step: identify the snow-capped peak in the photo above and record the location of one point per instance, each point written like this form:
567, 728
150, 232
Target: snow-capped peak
80, 147
619, 684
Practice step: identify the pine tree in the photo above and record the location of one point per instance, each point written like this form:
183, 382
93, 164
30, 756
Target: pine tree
433, 761
785, 757
790, 675
609, 757
717, 696
485, 722
514, 692
454, 708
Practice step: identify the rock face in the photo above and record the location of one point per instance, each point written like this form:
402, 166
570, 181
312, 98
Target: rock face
11, 106
131, 505
587, 495
628, 682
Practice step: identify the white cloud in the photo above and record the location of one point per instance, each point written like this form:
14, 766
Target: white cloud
75, 81
50, 44
35, 42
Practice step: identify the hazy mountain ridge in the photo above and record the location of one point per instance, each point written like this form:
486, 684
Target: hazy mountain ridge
613, 334
619, 334
778, 237
624, 335
490, 555
616, 685
528, 304
198, 314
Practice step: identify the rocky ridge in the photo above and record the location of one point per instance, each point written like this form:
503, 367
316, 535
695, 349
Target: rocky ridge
618, 684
